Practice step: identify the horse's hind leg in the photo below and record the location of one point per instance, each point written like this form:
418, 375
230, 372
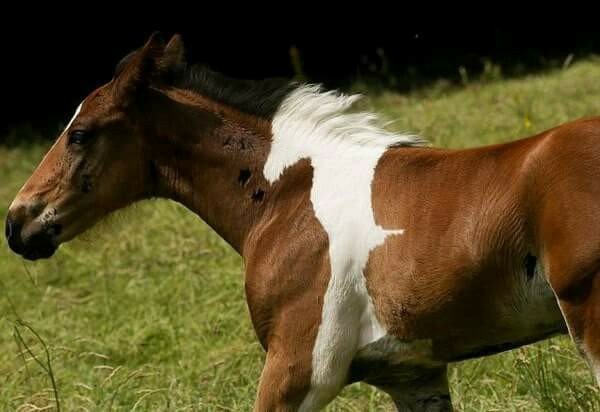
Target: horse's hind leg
580, 305
571, 245
565, 199
571, 248
428, 393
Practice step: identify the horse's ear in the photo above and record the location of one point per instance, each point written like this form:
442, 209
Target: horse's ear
173, 60
137, 70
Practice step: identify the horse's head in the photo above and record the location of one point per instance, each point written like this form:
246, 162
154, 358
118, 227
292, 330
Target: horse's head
98, 163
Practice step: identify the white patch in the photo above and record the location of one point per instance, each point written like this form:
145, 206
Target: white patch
344, 149
74, 117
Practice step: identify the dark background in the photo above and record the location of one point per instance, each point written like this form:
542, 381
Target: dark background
50, 64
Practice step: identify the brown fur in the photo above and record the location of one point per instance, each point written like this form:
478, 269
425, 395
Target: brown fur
453, 279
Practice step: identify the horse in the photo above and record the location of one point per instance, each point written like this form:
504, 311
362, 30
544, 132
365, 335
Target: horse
369, 256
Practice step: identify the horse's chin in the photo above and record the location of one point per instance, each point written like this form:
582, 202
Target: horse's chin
40, 253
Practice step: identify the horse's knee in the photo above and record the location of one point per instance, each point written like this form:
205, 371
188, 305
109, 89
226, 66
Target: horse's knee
284, 383
287, 384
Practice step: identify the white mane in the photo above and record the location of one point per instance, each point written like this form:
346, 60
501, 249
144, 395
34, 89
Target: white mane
310, 119
315, 112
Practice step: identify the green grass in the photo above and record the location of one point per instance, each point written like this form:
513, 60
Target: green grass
148, 313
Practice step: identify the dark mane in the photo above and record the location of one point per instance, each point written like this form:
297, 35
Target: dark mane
123, 63
258, 97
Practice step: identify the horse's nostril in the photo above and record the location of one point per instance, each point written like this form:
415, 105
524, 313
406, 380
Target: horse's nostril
8, 231
12, 231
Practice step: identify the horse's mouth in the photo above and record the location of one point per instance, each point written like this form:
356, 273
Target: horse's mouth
42, 252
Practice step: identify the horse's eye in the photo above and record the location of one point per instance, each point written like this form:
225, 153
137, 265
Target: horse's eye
79, 137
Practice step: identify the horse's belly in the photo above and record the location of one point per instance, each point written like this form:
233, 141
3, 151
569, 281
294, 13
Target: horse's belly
524, 313
391, 359
527, 313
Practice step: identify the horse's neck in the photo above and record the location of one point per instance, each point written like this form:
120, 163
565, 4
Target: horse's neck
213, 165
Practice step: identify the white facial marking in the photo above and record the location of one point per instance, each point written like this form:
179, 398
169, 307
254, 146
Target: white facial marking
344, 149
74, 117
17, 201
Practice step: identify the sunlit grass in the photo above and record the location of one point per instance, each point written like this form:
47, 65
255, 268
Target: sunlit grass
148, 312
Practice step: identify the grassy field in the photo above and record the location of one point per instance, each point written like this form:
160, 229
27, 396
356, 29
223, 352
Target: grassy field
147, 312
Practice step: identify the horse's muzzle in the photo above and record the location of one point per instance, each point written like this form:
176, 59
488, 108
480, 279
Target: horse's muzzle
37, 245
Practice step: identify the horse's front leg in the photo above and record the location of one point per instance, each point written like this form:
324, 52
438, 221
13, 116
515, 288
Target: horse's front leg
287, 315
284, 382
285, 385
287, 382
309, 344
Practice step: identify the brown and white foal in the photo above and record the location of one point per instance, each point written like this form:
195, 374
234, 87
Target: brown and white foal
367, 257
